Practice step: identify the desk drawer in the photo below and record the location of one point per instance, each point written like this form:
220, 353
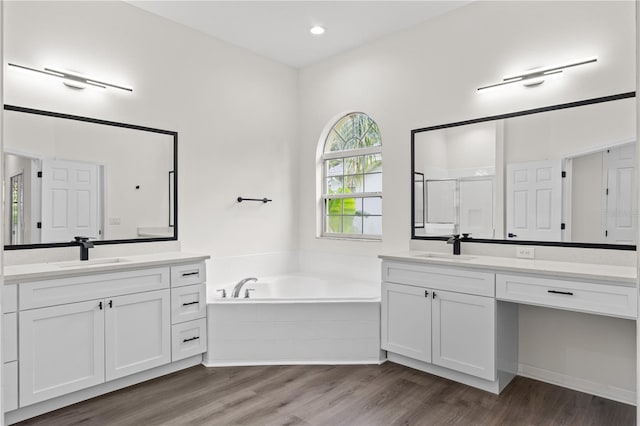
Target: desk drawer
595, 298
442, 278
188, 303
189, 274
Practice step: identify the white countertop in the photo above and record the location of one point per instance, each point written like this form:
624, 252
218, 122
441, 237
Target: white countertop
620, 275
39, 271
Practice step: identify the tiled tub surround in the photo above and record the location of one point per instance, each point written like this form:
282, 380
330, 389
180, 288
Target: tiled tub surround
74, 330
457, 316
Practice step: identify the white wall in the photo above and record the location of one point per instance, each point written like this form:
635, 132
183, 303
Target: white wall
428, 75
236, 113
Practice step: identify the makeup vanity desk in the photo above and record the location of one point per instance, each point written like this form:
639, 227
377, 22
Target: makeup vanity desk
457, 316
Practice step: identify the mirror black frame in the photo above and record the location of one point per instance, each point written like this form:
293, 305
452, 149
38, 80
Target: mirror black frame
114, 124
502, 117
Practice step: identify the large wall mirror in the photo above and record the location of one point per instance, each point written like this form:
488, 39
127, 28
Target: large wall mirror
560, 175
67, 176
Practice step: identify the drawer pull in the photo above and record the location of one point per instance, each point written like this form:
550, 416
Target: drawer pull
190, 303
190, 339
186, 274
568, 293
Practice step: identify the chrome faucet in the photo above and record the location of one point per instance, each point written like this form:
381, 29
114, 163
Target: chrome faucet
85, 245
236, 289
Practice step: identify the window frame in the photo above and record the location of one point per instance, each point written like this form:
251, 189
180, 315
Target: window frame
325, 196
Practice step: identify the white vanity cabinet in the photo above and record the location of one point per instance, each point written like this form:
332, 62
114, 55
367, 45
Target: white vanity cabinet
10, 346
457, 316
443, 320
188, 311
137, 333
463, 333
75, 334
72, 346
450, 329
62, 350
406, 321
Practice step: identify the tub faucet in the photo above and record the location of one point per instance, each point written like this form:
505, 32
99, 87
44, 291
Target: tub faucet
238, 287
85, 245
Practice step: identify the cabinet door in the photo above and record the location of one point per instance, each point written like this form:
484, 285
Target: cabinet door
406, 320
137, 333
464, 333
61, 350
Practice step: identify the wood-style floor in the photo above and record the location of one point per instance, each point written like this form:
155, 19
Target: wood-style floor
389, 394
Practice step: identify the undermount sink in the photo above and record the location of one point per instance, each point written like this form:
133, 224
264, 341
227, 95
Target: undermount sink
446, 256
95, 262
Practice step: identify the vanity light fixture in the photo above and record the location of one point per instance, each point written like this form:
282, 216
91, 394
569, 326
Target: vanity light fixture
317, 30
537, 76
77, 81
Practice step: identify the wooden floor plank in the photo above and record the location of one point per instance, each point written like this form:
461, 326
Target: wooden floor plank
368, 395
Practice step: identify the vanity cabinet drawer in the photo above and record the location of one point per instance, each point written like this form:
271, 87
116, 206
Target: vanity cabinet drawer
189, 274
10, 337
38, 294
10, 386
595, 298
435, 277
10, 298
188, 339
188, 303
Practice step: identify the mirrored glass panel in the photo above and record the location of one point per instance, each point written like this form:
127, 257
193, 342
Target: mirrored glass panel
561, 175
67, 178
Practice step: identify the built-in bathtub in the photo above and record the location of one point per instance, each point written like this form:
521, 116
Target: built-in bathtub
295, 319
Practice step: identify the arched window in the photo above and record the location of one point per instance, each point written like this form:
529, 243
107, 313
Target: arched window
352, 179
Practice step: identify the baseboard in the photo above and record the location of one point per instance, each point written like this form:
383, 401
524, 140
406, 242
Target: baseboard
208, 363
605, 391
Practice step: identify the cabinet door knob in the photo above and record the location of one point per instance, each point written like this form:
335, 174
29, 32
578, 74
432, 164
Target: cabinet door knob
111, 303
426, 293
100, 305
433, 294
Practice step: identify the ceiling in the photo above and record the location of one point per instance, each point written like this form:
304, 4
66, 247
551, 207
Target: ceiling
280, 29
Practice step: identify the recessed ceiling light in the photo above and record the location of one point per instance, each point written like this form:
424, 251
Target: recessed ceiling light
316, 30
